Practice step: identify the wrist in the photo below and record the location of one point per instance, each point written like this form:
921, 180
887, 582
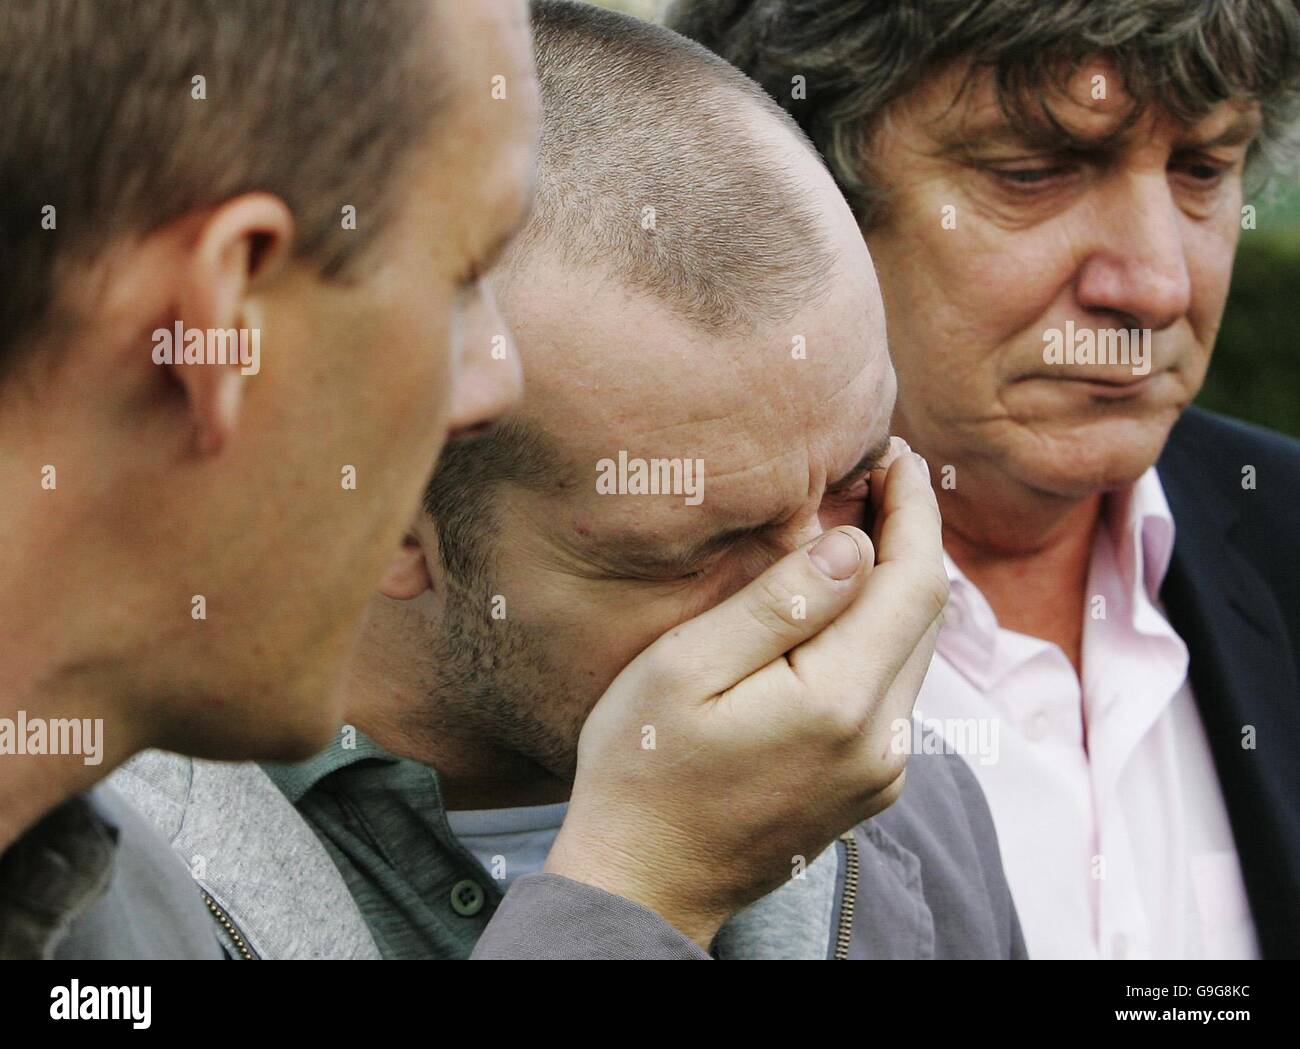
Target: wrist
617, 872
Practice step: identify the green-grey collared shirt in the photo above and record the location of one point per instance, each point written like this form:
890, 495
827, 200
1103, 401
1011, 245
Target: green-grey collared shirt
383, 821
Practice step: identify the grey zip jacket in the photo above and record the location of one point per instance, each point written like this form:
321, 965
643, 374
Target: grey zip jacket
923, 879
93, 880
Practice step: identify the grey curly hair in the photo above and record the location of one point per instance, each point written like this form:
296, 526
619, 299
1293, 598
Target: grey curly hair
860, 56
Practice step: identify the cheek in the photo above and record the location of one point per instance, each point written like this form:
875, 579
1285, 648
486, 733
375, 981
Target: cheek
1209, 262
959, 301
594, 628
413, 364
625, 623
1013, 281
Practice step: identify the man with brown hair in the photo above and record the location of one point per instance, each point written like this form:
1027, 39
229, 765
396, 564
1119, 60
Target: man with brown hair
1053, 195
242, 313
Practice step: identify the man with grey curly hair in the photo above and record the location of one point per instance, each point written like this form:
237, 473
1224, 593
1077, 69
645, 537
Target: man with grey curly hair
1053, 195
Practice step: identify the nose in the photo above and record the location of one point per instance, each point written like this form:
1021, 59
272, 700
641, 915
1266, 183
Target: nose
1137, 265
489, 379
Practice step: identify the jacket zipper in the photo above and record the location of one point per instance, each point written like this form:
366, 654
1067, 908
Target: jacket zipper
223, 919
844, 935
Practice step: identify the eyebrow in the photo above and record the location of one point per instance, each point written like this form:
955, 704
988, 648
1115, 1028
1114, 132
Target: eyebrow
869, 461
1049, 134
966, 139
1242, 129
638, 552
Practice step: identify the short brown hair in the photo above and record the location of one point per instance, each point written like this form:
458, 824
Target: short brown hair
860, 56
316, 102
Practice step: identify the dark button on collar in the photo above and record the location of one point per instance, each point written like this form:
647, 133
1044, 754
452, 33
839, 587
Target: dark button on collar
467, 898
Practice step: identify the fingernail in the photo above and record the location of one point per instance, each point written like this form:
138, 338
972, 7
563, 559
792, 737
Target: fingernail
835, 555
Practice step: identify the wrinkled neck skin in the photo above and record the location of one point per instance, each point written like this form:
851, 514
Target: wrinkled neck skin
1027, 551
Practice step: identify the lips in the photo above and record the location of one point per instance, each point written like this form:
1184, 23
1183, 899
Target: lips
1112, 361
1107, 377
1106, 384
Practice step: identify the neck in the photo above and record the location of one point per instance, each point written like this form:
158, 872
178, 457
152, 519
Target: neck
1027, 551
477, 774
43, 709
474, 772
48, 671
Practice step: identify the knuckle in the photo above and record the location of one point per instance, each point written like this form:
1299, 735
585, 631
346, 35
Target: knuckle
842, 722
663, 669
891, 769
772, 607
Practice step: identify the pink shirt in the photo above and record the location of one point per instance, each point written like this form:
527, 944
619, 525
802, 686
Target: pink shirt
1122, 849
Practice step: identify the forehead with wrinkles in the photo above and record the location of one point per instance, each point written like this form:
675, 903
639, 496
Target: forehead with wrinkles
743, 329
610, 369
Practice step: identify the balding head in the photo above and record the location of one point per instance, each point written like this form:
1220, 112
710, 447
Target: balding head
667, 168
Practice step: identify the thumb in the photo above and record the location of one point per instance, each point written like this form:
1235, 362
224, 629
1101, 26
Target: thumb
789, 603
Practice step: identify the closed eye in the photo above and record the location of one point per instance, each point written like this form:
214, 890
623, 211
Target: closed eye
858, 490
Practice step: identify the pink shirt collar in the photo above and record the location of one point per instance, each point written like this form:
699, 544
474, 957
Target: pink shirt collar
1141, 529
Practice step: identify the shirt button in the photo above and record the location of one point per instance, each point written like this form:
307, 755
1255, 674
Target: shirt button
467, 898
1119, 946
1037, 727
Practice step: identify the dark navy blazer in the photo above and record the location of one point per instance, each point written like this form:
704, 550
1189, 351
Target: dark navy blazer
1233, 594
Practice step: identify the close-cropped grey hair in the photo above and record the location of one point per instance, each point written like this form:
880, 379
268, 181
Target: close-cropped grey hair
858, 57
634, 116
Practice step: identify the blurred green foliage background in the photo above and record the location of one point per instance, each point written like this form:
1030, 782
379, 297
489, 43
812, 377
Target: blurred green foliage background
1255, 373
